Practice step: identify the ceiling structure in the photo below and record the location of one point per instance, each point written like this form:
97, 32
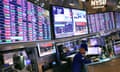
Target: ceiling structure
111, 5
66, 3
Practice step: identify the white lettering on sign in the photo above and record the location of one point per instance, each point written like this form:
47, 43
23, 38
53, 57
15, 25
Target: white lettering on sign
98, 2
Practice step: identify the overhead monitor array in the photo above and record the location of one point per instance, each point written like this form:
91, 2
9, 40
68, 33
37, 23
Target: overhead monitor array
69, 22
23, 21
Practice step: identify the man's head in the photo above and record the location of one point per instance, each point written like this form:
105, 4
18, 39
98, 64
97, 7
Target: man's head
82, 50
84, 45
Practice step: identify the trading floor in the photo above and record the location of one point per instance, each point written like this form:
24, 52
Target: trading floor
110, 66
34, 38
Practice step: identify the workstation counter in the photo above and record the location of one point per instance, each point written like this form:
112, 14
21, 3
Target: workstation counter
104, 65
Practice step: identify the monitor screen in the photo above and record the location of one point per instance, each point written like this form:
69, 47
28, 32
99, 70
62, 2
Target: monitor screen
101, 22
8, 57
63, 23
96, 42
22, 21
46, 49
68, 22
68, 46
117, 49
79, 22
117, 19
94, 51
93, 41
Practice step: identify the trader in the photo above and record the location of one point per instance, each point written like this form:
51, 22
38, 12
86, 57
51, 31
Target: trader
79, 60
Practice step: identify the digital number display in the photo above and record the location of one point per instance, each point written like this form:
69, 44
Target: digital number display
22, 21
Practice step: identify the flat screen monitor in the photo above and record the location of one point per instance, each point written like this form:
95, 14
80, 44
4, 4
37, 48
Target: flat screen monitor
117, 49
117, 19
68, 22
79, 22
68, 47
45, 49
93, 41
8, 57
94, 51
101, 22
96, 42
22, 21
63, 23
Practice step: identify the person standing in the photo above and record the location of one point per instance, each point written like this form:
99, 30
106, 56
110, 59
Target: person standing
79, 61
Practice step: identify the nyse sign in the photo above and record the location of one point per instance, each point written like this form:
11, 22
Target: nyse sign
98, 3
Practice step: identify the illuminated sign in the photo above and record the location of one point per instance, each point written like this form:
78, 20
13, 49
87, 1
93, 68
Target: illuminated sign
98, 3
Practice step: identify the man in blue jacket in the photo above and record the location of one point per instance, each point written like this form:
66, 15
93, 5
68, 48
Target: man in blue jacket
79, 61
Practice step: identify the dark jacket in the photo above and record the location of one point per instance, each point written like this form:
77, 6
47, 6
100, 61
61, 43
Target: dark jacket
78, 63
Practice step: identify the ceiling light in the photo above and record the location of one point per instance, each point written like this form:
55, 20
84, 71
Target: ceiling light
42, 4
83, 0
96, 7
118, 6
71, 4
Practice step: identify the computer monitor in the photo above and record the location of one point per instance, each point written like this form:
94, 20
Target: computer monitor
94, 51
46, 49
117, 49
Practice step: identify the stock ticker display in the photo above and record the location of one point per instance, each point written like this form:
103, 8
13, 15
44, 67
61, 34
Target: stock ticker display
101, 22
22, 21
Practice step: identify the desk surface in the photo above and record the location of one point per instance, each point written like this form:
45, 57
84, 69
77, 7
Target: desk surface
100, 61
71, 56
112, 65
